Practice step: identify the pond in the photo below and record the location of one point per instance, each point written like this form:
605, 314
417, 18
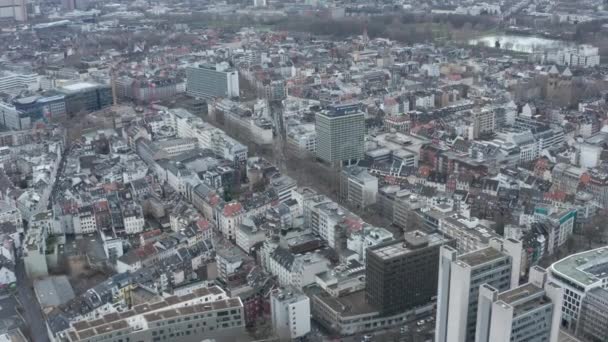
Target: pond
527, 44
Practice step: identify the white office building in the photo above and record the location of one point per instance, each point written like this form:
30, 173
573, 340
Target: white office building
13, 9
578, 274
208, 81
460, 278
530, 312
290, 310
584, 56
358, 187
205, 313
12, 118
12, 81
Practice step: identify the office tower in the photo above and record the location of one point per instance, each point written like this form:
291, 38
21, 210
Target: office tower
340, 133
460, 278
290, 311
483, 122
593, 319
447, 256
14, 9
530, 312
401, 275
578, 274
85, 97
208, 81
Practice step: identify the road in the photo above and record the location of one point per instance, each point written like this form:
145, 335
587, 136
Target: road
413, 333
566, 337
31, 309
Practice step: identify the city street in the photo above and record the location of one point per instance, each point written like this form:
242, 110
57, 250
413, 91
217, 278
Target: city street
414, 333
31, 309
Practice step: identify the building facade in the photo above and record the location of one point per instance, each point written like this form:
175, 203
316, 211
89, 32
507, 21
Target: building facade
358, 187
530, 312
207, 312
290, 310
86, 97
402, 275
578, 274
460, 278
593, 320
206, 81
340, 134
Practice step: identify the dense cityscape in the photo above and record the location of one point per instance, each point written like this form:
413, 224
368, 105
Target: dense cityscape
304, 170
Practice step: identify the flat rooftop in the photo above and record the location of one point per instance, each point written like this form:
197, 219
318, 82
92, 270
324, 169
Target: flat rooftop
524, 299
79, 86
412, 241
481, 256
584, 268
152, 312
520, 293
352, 304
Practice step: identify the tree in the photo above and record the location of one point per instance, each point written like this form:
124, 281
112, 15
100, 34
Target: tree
594, 230
227, 194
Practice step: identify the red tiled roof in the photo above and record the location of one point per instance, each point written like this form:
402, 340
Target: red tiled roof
353, 224
232, 209
145, 251
556, 196
202, 224
101, 206
70, 207
214, 199
108, 187
151, 233
390, 102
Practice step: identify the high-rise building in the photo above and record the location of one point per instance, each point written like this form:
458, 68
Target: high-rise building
208, 81
593, 319
290, 310
401, 275
460, 278
578, 274
340, 133
483, 122
86, 97
530, 312
14, 9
